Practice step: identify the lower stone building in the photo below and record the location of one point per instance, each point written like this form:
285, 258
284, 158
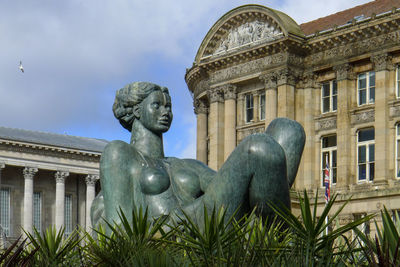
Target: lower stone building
339, 76
46, 180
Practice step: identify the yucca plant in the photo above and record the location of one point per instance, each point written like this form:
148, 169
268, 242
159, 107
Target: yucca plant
131, 243
14, 255
311, 245
219, 240
53, 248
384, 249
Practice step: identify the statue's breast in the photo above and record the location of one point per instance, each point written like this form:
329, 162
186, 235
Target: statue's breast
154, 181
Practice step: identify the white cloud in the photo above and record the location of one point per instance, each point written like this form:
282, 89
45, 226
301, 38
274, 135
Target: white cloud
77, 53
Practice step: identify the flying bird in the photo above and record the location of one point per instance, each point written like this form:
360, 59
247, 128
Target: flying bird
20, 67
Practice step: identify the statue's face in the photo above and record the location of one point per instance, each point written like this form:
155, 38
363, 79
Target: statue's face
156, 112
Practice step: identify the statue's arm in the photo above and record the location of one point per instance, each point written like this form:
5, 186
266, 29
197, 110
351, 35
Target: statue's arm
115, 180
205, 174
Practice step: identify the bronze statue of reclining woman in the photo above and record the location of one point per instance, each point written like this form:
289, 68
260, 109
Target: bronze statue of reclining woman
261, 169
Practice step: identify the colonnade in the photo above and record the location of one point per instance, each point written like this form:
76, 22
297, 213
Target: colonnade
60, 177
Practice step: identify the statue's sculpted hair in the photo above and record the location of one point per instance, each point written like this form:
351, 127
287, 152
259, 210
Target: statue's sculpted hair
128, 97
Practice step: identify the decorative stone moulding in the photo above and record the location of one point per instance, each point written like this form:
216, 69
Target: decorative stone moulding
362, 117
394, 111
248, 33
326, 124
200, 107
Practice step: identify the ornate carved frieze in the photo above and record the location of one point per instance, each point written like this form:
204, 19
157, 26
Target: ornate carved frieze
357, 47
381, 61
29, 172
216, 95
248, 33
200, 107
269, 80
248, 131
362, 116
91, 179
326, 123
344, 72
61, 176
254, 66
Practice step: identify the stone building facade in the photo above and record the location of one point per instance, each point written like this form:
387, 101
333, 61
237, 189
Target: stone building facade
46, 180
339, 76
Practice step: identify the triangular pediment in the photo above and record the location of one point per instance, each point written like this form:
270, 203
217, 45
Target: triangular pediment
246, 26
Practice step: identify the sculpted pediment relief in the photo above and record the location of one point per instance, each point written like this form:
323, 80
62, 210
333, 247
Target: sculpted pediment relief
248, 33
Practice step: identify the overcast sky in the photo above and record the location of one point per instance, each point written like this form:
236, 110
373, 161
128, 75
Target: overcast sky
77, 53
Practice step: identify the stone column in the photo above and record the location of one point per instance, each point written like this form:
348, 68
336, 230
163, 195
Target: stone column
271, 97
240, 107
90, 195
382, 131
60, 198
310, 109
286, 82
346, 87
256, 116
201, 110
229, 120
216, 128
28, 172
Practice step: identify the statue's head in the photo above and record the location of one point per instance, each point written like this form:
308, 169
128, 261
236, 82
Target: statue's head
144, 101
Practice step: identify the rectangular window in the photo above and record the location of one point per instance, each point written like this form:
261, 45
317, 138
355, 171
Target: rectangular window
37, 211
366, 155
364, 227
329, 155
5, 212
249, 108
329, 96
68, 214
398, 150
262, 106
398, 81
366, 88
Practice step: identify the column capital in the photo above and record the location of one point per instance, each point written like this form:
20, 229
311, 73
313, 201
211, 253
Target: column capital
382, 62
215, 95
229, 91
310, 80
29, 172
200, 107
344, 72
269, 80
286, 76
91, 179
60, 176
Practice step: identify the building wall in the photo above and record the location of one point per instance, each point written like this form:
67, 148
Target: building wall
291, 71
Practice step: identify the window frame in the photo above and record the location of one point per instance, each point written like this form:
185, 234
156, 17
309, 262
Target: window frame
330, 151
261, 114
39, 225
367, 162
367, 88
247, 108
397, 81
68, 222
364, 227
7, 226
397, 148
331, 96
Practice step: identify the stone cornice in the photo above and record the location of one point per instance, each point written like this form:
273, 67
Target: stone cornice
49, 150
